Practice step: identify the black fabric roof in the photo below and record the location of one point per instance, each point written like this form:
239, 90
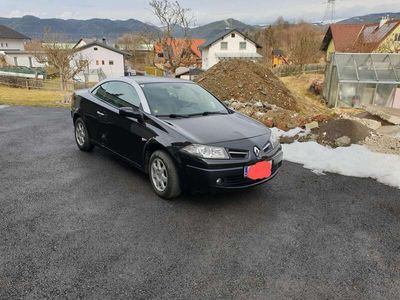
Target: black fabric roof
223, 34
8, 33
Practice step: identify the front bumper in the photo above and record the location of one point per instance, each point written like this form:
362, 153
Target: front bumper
200, 178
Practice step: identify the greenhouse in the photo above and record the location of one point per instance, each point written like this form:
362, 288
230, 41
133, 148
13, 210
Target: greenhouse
358, 79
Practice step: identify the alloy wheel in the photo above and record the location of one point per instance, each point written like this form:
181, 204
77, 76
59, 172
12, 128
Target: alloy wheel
159, 175
80, 134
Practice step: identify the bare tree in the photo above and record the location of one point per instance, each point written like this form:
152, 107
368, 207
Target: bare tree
56, 53
141, 46
3, 62
173, 17
304, 44
300, 42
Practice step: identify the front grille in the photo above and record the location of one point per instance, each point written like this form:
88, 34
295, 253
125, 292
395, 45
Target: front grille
267, 147
238, 154
240, 180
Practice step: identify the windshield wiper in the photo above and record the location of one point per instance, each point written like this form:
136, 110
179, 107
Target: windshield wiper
206, 113
173, 116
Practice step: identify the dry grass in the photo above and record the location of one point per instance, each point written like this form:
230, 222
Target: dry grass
25, 97
308, 103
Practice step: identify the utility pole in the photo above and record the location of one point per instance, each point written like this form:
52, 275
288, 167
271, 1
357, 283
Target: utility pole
330, 11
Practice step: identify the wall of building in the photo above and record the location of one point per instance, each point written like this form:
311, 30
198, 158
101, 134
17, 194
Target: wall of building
100, 59
330, 50
209, 57
389, 44
11, 44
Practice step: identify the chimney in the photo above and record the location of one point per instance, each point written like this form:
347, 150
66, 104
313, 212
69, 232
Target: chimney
383, 21
104, 41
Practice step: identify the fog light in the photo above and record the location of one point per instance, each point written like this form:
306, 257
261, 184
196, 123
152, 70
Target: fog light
220, 181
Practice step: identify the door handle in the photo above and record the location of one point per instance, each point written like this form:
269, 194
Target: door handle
99, 113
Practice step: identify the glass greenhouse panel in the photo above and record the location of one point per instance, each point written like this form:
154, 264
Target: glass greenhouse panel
365, 67
333, 91
396, 65
346, 67
384, 68
385, 94
366, 93
347, 94
361, 79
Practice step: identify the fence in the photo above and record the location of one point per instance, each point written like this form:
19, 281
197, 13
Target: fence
21, 82
291, 70
40, 84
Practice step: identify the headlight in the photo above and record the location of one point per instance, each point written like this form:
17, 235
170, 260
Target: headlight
274, 140
204, 151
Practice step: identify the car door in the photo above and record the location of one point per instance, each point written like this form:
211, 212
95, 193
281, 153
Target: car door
96, 114
124, 135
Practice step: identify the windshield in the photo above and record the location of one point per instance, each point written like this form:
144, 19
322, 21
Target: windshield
181, 99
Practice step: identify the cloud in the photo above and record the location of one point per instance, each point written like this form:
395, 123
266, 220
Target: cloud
205, 11
17, 13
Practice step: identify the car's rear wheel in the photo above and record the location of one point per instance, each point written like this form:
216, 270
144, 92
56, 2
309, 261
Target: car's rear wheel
163, 175
82, 136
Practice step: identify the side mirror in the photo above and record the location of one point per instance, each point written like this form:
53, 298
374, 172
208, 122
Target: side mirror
130, 112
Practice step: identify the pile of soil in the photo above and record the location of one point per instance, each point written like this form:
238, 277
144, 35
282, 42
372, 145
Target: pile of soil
331, 131
244, 81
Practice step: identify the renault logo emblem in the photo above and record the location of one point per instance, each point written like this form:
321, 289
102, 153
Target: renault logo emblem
256, 151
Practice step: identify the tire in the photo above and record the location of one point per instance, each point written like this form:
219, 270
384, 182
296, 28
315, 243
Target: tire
82, 137
163, 169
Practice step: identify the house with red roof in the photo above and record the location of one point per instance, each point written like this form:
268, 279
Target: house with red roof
362, 38
178, 48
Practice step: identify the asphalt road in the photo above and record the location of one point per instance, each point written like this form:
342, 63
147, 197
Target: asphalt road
81, 225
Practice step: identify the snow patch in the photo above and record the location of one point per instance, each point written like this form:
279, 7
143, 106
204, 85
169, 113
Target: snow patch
356, 160
291, 133
3, 106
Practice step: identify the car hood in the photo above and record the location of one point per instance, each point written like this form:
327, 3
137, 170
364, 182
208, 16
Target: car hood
217, 128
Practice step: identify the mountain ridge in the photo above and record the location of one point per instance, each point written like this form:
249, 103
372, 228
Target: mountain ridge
73, 29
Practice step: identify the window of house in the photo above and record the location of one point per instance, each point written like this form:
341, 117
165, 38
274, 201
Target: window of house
15, 61
233, 35
111, 62
224, 45
242, 45
6, 45
1, 45
97, 62
118, 94
397, 37
30, 62
103, 63
95, 49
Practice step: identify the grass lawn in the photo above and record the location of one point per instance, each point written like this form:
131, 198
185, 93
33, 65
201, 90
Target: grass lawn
308, 103
33, 97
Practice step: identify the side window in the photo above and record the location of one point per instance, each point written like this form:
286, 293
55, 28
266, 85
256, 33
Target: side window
118, 94
224, 45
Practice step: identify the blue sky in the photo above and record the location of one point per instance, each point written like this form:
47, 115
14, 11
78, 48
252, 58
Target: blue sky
250, 11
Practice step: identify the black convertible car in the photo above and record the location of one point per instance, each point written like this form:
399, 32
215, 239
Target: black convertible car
177, 132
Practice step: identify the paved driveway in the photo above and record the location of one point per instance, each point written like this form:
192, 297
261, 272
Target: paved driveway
74, 224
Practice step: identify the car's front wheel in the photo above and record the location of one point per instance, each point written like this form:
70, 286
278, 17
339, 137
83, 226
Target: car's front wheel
163, 175
82, 136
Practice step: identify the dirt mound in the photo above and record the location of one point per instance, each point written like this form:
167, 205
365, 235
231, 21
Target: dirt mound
247, 81
337, 132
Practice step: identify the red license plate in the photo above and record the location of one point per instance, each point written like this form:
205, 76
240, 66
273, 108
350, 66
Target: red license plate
259, 170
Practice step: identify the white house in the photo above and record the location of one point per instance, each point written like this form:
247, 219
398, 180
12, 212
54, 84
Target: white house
230, 44
103, 60
12, 47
